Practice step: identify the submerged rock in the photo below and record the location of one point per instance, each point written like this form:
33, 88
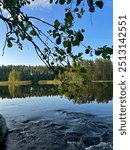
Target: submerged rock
72, 137
3, 129
73, 131
106, 137
101, 146
88, 141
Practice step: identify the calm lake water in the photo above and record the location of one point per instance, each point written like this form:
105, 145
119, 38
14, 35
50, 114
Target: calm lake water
21, 103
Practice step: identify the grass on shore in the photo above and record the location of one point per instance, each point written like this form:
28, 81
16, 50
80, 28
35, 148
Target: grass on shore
49, 82
58, 82
102, 81
6, 83
43, 82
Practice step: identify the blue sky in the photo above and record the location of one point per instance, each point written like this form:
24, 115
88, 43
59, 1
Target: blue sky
98, 33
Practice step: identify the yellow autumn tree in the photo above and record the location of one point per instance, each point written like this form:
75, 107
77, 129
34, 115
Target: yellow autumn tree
14, 76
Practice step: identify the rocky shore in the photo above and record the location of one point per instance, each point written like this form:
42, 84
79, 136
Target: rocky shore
73, 131
3, 131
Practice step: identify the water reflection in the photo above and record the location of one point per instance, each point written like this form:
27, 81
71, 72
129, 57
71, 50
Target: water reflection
14, 90
101, 92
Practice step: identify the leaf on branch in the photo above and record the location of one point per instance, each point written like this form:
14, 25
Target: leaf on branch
87, 51
108, 57
76, 9
27, 26
76, 43
33, 32
78, 2
90, 3
82, 11
62, 2
98, 52
79, 15
23, 37
51, 1
99, 4
69, 48
56, 24
104, 55
70, 32
68, 1
92, 9
66, 43
58, 40
69, 17
80, 54
79, 36
109, 50
9, 44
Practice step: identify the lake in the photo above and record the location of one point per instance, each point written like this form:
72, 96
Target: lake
21, 105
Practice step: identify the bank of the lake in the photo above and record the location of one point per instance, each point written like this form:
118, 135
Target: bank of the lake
7, 83
47, 82
66, 131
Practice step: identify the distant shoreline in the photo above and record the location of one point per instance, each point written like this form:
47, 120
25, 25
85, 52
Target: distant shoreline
101, 81
45, 82
6, 83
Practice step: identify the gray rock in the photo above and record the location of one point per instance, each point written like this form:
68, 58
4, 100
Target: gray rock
106, 137
88, 141
3, 128
72, 137
101, 146
75, 131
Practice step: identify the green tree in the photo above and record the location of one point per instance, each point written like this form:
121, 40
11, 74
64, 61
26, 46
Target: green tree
100, 69
104, 69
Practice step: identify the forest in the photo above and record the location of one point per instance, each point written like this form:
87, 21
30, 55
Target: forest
100, 69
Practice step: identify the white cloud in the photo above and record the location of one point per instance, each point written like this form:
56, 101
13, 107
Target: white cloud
40, 3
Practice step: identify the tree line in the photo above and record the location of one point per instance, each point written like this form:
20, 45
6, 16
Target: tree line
99, 69
23, 72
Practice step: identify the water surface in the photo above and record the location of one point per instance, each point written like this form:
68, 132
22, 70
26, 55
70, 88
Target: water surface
21, 103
